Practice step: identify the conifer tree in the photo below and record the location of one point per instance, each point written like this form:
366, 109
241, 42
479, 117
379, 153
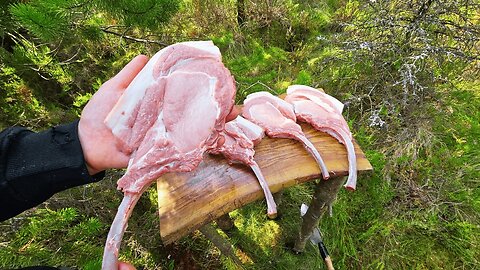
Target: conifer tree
46, 47
51, 20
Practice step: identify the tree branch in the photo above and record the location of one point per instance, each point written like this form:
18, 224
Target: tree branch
106, 30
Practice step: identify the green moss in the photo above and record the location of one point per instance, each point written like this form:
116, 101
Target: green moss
62, 232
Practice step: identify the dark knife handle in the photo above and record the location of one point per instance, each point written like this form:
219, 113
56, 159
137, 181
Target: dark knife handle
323, 250
325, 256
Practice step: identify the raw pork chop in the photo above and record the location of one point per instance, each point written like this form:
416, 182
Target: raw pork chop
278, 119
143, 95
324, 113
240, 137
171, 113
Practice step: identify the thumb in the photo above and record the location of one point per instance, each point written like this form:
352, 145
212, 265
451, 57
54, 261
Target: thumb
128, 73
236, 111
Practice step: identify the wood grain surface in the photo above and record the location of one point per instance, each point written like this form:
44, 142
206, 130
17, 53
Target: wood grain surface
189, 200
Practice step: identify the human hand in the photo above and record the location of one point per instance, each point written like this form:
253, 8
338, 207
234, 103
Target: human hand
236, 110
98, 143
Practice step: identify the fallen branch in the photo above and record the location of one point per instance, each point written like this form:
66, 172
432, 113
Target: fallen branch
105, 30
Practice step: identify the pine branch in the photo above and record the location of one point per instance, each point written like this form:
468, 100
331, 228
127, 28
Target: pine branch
106, 30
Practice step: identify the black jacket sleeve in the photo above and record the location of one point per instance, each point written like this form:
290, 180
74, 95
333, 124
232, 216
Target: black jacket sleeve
34, 166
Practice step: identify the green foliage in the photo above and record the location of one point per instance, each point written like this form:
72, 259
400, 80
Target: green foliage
304, 78
53, 20
62, 233
81, 100
150, 14
257, 69
5, 20
17, 102
46, 19
47, 41
396, 59
223, 41
40, 59
436, 225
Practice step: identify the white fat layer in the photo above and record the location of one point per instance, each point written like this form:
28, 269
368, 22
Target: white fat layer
249, 125
204, 45
159, 126
319, 102
242, 133
211, 94
178, 65
336, 103
295, 87
274, 100
259, 94
298, 104
237, 130
131, 97
265, 94
210, 97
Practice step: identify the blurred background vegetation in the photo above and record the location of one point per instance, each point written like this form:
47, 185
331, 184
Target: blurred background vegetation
407, 71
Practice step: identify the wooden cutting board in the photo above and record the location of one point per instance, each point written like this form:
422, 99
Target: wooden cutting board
187, 201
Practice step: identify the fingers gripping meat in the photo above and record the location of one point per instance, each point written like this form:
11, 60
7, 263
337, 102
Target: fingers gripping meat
277, 118
324, 113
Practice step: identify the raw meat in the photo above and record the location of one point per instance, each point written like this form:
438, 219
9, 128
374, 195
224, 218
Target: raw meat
171, 113
142, 95
324, 113
277, 118
169, 143
253, 132
240, 137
